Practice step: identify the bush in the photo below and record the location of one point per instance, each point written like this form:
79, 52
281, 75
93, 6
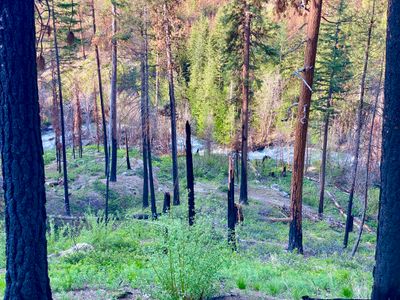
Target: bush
188, 262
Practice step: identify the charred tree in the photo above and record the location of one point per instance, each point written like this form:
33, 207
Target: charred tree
128, 163
144, 138
22, 155
369, 152
231, 204
96, 118
245, 103
78, 123
171, 87
60, 97
55, 116
189, 174
387, 266
359, 124
113, 97
100, 83
167, 203
295, 231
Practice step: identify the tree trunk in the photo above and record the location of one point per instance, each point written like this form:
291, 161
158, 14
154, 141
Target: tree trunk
128, 163
171, 87
369, 152
387, 267
356, 150
147, 118
189, 174
144, 138
55, 116
245, 103
103, 115
295, 232
113, 98
167, 203
60, 96
22, 155
78, 123
231, 204
96, 118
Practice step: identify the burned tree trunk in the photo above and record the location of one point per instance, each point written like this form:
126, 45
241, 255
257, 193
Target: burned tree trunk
387, 267
171, 87
245, 103
128, 163
369, 152
295, 232
96, 118
60, 96
56, 117
231, 204
167, 203
189, 174
113, 97
145, 152
99, 79
22, 156
78, 123
360, 121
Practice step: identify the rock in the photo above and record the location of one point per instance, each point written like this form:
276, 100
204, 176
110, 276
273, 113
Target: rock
80, 247
52, 183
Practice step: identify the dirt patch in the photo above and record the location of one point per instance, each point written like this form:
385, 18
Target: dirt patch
102, 294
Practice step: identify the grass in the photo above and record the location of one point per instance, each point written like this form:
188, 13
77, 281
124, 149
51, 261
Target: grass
168, 260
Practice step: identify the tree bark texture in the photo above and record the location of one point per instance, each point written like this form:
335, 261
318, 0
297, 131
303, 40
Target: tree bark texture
22, 156
295, 231
387, 267
190, 175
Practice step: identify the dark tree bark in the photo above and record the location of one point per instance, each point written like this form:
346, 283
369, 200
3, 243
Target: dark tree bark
171, 87
22, 155
60, 96
96, 118
295, 232
145, 152
99, 79
231, 204
113, 98
189, 174
387, 267
367, 165
147, 118
56, 116
360, 121
78, 124
167, 203
245, 103
128, 163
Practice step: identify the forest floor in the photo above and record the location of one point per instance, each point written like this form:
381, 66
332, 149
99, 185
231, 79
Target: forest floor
127, 259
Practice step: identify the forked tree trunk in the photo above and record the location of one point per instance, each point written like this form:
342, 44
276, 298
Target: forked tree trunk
60, 96
113, 98
359, 124
387, 266
171, 87
231, 204
295, 231
99, 79
22, 156
369, 152
190, 175
245, 103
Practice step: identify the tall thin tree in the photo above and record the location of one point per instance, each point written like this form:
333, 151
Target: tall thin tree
295, 231
22, 155
387, 267
60, 96
113, 97
171, 87
359, 125
189, 174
